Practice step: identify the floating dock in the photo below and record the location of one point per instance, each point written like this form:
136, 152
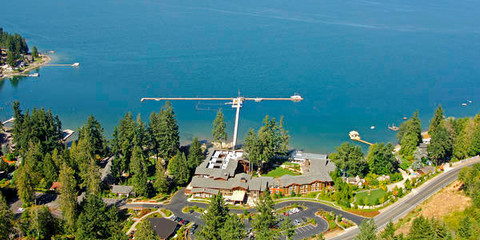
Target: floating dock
355, 136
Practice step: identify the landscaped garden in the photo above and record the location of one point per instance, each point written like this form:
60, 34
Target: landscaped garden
370, 197
278, 172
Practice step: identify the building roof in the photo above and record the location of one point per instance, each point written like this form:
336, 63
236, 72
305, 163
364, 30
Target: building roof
163, 227
300, 155
241, 180
55, 185
120, 189
321, 167
220, 164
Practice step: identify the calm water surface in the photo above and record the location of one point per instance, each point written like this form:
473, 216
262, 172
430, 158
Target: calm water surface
357, 63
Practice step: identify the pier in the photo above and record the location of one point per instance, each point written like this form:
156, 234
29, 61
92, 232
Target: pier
355, 136
63, 65
8, 121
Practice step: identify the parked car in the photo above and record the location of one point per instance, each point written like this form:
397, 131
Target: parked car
194, 226
185, 222
296, 222
191, 211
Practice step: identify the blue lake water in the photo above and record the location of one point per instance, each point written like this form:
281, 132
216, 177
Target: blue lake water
357, 63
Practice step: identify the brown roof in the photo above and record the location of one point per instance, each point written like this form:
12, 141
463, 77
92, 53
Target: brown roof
163, 227
55, 185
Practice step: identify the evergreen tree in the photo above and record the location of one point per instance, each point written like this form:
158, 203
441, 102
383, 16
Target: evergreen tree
24, 184
161, 181
474, 147
266, 218
123, 141
11, 59
168, 138
288, 228
195, 154
440, 147
268, 139
38, 223
437, 119
145, 231
283, 138
139, 167
410, 135
214, 219
389, 232
465, 228
368, 230
93, 220
461, 144
93, 180
34, 52
6, 220
115, 226
49, 170
68, 196
219, 127
252, 147
233, 228
92, 133
381, 159
178, 169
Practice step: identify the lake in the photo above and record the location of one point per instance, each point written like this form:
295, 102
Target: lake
357, 63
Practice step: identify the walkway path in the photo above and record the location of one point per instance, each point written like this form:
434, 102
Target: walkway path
134, 225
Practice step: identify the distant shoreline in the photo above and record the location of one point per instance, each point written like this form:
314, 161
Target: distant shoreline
45, 59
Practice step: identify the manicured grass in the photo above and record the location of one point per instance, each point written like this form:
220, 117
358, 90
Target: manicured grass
278, 172
370, 197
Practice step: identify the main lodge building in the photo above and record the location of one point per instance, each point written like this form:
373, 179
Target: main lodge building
226, 172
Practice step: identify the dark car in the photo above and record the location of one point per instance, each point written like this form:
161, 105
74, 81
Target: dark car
194, 226
185, 222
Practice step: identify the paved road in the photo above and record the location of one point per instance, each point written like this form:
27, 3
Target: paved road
409, 202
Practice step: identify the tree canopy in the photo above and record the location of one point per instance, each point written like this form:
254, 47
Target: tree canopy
219, 131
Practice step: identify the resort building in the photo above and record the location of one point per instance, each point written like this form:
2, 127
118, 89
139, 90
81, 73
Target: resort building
227, 172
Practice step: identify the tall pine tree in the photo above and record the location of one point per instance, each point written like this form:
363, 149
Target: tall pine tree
219, 131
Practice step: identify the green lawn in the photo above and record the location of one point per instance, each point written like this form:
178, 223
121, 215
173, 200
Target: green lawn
278, 172
370, 196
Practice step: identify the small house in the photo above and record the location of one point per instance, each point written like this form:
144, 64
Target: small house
121, 190
427, 170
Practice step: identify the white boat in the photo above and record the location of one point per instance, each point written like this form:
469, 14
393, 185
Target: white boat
372, 127
464, 104
76, 64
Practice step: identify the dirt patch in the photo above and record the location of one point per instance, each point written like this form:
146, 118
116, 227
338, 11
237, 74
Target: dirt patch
332, 233
368, 214
449, 200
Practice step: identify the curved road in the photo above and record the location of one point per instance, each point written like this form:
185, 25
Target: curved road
413, 199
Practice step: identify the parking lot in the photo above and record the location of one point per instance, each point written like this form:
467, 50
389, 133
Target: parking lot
304, 229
